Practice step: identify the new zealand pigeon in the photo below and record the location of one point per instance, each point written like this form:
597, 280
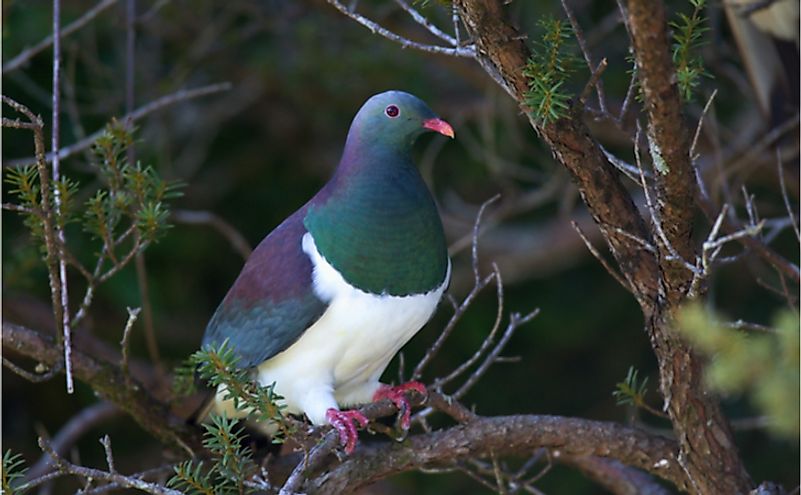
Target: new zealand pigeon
330, 296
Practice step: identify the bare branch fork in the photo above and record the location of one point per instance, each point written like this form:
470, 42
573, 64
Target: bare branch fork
91, 475
136, 115
24, 56
661, 273
455, 49
49, 221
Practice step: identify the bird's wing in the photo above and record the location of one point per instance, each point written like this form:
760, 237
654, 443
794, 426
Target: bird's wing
272, 301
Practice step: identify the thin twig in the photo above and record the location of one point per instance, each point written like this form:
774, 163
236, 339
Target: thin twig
59, 224
138, 114
233, 236
75, 428
642, 242
459, 310
133, 314
17, 124
24, 56
747, 325
624, 107
515, 322
105, 441
18, 208
32, 377
699, 179
425, 23
91, 474
785, 198
487, 341
701, 123
476, 224
628, 169
622, 281
655, 219
455, 20
594, 80
597, 71
375, 28
49, 230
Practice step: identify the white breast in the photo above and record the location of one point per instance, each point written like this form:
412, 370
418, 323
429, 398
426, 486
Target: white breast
339, 359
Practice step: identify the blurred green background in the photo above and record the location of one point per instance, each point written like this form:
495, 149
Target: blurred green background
255, 153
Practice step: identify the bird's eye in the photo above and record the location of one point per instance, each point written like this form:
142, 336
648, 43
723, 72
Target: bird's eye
392, 111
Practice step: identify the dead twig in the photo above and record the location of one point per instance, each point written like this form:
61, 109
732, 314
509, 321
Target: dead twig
138, 114
27, 54
596, 72
91, 475
133, 314
375, 28
77, 426
622, 281
785, 197
233, 236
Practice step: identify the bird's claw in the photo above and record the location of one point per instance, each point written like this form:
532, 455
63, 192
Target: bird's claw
345, 424
397, 395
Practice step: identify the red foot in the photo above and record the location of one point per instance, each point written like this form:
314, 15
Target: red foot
344, 422
397, 395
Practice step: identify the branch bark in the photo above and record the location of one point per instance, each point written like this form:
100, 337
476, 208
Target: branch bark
503, 51
109, 383
660, 284
503, 436
709, 454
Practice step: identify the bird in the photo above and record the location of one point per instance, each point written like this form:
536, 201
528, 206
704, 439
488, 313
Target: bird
328, 298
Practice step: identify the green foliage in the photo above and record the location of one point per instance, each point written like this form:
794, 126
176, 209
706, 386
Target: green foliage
631, 391
192, 478
218, 367
24, 182
12, 471
764, 366
132, 192
129, 210
550, 66
232, 463
687, 39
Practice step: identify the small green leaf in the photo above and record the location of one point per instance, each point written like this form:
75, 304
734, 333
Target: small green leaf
12, 472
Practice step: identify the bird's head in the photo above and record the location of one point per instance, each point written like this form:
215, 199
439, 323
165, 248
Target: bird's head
396, 117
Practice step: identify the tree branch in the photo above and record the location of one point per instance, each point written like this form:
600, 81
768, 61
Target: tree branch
503, 50
668, 139
24, 56
374, 27
139, 113
503, 436
109, 383
708, 452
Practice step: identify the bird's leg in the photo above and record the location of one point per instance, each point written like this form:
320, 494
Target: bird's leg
397, 395
344, 422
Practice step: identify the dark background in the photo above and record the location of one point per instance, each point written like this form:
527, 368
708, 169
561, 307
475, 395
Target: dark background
253, 154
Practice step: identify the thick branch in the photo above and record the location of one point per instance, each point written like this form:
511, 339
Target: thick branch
504, 436
616, 476
109, 383
668, 138
504, 51
709, 454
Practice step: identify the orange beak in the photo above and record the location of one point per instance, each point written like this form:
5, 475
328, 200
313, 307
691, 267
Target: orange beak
440, 126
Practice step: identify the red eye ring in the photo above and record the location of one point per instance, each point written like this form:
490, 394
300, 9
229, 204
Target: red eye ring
392, 111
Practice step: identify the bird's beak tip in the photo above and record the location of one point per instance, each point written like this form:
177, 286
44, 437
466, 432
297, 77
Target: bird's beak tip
440, 126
